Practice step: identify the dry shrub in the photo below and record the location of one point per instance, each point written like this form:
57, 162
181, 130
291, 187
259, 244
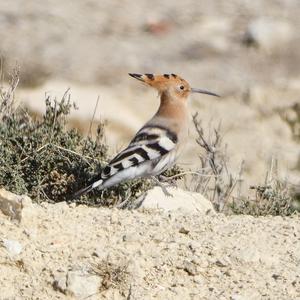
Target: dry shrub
218, 184
275, 197
213, 179
114, 276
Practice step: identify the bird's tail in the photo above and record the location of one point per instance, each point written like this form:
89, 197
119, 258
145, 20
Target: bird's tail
87, 189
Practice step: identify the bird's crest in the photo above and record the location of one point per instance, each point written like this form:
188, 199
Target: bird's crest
166, 81
161, 82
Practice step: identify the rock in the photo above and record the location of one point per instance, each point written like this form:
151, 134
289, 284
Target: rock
190, 268
13, 247
72, 205
60, 283
248, 255
11, 204
184, 230
82, 285
268, 34
17, 207
180, 200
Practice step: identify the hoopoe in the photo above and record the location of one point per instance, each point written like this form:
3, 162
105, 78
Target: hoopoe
158, 143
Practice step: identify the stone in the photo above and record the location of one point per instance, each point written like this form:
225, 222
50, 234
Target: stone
13, 247
60, 283
248, 255
180, 200
184, 230
72, 205
11, 204
268, 34
82, 285
189, 267
18, 207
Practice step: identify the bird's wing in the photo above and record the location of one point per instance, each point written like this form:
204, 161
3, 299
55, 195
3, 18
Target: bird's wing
150, 143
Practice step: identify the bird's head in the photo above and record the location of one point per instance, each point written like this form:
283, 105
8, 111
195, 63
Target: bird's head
170, 84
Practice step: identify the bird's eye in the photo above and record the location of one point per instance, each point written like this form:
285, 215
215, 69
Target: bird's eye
181, 87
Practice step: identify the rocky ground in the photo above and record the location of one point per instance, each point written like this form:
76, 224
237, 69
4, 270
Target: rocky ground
65, 252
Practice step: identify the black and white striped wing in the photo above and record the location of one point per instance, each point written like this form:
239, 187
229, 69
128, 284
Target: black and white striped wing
151, 143
147, 154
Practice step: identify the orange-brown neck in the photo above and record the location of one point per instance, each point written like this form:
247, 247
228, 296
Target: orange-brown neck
173, 108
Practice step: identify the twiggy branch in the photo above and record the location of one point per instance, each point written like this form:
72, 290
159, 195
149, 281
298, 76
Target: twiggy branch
216, 183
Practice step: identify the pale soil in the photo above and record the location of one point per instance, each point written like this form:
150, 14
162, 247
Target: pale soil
162, 256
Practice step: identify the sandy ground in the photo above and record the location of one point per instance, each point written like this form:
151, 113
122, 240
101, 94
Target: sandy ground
149, 254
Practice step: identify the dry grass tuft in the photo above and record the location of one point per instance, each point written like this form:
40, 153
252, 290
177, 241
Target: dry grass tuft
113, 276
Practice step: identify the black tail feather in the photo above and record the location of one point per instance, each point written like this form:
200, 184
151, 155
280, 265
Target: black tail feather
82, 191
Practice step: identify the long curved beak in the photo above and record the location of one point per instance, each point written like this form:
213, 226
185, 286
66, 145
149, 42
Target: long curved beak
193, 90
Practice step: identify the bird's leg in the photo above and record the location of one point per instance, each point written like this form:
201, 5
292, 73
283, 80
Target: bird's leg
170, 182
162, 178
164, 189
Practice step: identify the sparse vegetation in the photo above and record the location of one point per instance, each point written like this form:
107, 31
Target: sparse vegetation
115, 276
275, 198
215, 181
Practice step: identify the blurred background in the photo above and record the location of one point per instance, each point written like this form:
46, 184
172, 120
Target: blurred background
247, 51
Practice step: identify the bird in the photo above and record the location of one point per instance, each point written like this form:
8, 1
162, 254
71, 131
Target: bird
157, 145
